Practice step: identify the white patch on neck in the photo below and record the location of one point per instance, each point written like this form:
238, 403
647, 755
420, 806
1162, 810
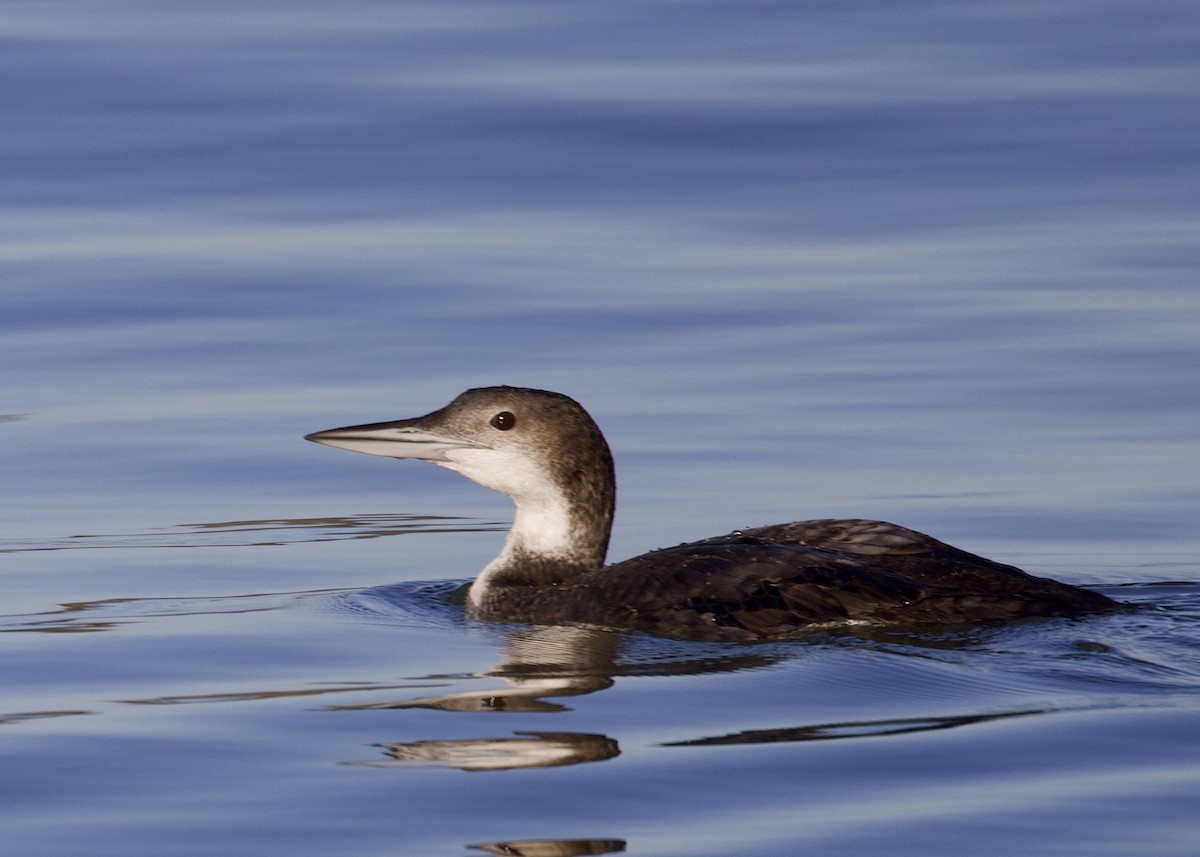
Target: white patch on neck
542, 524
536, 530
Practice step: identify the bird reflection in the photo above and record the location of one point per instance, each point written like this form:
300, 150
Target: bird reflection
523, 750
850, 729
541, 662
552, 847
545, 662
556, 661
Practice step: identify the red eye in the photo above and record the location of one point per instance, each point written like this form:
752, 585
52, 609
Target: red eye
504, 421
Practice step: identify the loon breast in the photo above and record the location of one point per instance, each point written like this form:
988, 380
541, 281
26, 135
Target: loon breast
544, 451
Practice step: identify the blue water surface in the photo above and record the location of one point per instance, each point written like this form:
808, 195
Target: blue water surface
928, 262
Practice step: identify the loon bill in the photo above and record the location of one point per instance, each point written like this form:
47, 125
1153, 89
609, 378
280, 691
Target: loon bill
544, 451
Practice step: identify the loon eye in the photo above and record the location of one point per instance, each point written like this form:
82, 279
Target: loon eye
504, 421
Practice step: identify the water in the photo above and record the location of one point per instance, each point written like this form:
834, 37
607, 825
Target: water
933, 263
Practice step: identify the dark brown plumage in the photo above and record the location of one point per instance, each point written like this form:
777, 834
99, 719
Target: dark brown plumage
769, 582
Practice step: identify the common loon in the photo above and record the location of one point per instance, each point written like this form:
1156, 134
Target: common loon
544, 451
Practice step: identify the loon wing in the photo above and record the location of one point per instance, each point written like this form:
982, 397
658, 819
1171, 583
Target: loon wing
767, 581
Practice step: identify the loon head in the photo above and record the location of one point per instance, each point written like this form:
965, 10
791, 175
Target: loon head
542, 449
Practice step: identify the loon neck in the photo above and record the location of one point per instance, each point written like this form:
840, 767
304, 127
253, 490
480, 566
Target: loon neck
556, 534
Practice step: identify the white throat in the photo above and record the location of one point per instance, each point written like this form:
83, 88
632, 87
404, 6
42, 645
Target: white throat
542, 525
536, 531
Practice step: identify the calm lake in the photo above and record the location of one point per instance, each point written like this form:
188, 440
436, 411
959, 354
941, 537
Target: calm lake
934, 263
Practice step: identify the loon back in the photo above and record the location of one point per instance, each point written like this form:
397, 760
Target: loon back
770, 582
